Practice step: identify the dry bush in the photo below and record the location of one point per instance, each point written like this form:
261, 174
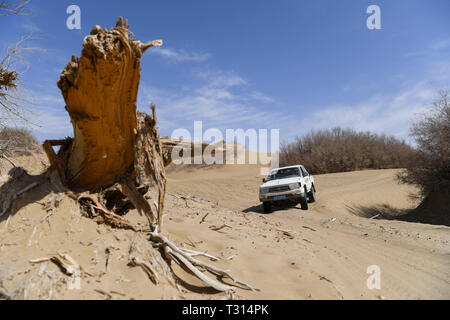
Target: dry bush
8, 79
17, 142
430, 168
343, 150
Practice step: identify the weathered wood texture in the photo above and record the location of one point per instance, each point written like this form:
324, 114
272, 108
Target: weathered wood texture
100, 90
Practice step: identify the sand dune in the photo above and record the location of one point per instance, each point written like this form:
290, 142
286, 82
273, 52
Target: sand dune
322, 253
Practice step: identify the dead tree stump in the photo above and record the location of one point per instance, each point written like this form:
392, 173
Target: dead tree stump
100, 90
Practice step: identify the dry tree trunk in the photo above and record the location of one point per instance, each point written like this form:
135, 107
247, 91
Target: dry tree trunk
100, 90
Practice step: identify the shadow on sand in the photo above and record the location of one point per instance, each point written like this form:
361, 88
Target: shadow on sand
260, 210
387, 212
23, 189
383, 211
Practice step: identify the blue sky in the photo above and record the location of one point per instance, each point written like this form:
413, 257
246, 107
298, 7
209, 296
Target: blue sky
289, 64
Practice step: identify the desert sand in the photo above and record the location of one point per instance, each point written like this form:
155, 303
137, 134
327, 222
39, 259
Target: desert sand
322, 253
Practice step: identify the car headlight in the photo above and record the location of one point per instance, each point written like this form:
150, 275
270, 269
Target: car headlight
263, 190
294, 186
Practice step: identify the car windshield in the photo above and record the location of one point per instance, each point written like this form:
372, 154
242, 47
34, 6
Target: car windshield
285, 173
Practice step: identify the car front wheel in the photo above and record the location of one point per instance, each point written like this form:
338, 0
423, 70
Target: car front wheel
304, 201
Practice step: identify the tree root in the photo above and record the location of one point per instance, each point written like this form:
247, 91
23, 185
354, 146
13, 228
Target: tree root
94, 208
67, 264
187, 259
334, 286
58, 161
147, 268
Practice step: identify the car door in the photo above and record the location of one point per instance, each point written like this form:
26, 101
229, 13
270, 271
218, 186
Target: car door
307, 178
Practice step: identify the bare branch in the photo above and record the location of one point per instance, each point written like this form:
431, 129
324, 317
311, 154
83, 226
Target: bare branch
14, 54
17, 7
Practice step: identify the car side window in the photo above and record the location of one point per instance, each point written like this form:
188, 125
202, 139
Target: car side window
305, 173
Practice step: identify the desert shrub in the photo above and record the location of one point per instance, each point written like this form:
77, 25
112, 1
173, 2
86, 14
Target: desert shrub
430, 167
343, 150
17, 141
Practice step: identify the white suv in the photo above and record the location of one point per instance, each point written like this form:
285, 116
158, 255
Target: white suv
288, 185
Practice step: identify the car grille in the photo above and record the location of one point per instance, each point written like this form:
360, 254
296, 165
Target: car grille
279, 189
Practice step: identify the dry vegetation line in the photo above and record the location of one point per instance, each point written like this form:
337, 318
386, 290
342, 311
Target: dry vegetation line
77, 163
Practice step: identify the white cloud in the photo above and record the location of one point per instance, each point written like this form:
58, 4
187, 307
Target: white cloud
441, 44
221, 79
44, 99
433, 48
221, 100
31, 27
48, 116
53, 125
390, 114
181, 55
259, 96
